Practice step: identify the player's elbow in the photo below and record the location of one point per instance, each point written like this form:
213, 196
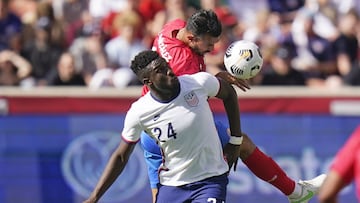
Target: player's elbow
227, 91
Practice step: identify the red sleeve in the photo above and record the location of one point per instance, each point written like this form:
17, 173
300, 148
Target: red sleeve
184, 62
345, 159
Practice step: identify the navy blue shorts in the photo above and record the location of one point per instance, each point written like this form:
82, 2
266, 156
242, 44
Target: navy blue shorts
210, 190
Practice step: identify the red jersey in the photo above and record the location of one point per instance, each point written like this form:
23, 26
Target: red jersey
347, 161
180, 57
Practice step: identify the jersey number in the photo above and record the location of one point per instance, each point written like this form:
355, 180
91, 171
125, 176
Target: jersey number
170, 133
213, 200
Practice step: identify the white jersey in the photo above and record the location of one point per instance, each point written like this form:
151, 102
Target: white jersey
184, 129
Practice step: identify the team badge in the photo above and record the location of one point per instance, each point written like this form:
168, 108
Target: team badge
191, 99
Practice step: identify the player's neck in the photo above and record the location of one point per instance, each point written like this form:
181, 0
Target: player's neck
181, 35
167, 96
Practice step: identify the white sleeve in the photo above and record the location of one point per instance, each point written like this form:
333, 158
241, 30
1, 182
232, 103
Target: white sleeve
209, 82
132, 128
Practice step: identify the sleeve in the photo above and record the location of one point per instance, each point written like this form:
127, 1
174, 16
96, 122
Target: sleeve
344, 161
153, 162
209, 82
182, 62
153, 158
132, 128
222, 132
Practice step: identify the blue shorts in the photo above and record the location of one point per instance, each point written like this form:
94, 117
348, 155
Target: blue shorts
153, 157
208, 190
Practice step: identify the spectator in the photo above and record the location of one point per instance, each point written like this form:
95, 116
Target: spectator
55, 27
347, 49
10, 28
85, 26
173, 9
41, 54
101, 8
246, 10
69, 11
285, 6
324, 15
109, 23
316, 55
121, 49
13, 68
280, 70
265, 30
65, 73
89, 54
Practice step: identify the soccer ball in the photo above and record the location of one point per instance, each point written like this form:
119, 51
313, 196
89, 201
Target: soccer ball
243, 59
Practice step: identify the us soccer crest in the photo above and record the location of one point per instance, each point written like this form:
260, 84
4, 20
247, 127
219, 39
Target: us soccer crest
191, 99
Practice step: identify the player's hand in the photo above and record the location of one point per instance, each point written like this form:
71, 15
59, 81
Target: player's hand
241, 83
232, 154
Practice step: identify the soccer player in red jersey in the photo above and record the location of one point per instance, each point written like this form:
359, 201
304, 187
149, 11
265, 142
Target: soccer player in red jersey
344, 169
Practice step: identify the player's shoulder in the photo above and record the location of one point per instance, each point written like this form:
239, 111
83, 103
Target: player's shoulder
198, 78
202, 75
175, 24
144, 100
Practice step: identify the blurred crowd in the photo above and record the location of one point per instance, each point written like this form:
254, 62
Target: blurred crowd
312, 43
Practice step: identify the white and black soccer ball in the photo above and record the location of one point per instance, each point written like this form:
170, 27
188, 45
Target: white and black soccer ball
243, 59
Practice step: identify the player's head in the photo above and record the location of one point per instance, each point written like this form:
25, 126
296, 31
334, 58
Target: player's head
152, 70
206, 29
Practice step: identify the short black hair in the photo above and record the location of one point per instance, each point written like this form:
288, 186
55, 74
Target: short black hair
204, 22
142, 59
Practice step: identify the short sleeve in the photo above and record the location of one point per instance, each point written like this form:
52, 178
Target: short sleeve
209, 82
132, 128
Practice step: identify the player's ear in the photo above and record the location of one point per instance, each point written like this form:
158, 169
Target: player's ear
146, 81
191, 37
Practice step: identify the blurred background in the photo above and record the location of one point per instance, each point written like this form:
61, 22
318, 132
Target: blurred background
65, 87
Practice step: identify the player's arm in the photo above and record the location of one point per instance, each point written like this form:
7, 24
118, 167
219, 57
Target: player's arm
228, 94
230, 100
241, 83
113, 169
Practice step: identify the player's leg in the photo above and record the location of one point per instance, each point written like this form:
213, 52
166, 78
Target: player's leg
257, 161
210, 190
173, 194
265, 168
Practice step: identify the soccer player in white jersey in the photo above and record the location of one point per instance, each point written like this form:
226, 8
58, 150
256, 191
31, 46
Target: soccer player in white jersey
176, 113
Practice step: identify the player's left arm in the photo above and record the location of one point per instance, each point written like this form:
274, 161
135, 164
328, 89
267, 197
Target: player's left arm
241, 83
230, 100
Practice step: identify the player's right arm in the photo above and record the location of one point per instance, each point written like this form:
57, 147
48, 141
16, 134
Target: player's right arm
113, 169
119, 158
